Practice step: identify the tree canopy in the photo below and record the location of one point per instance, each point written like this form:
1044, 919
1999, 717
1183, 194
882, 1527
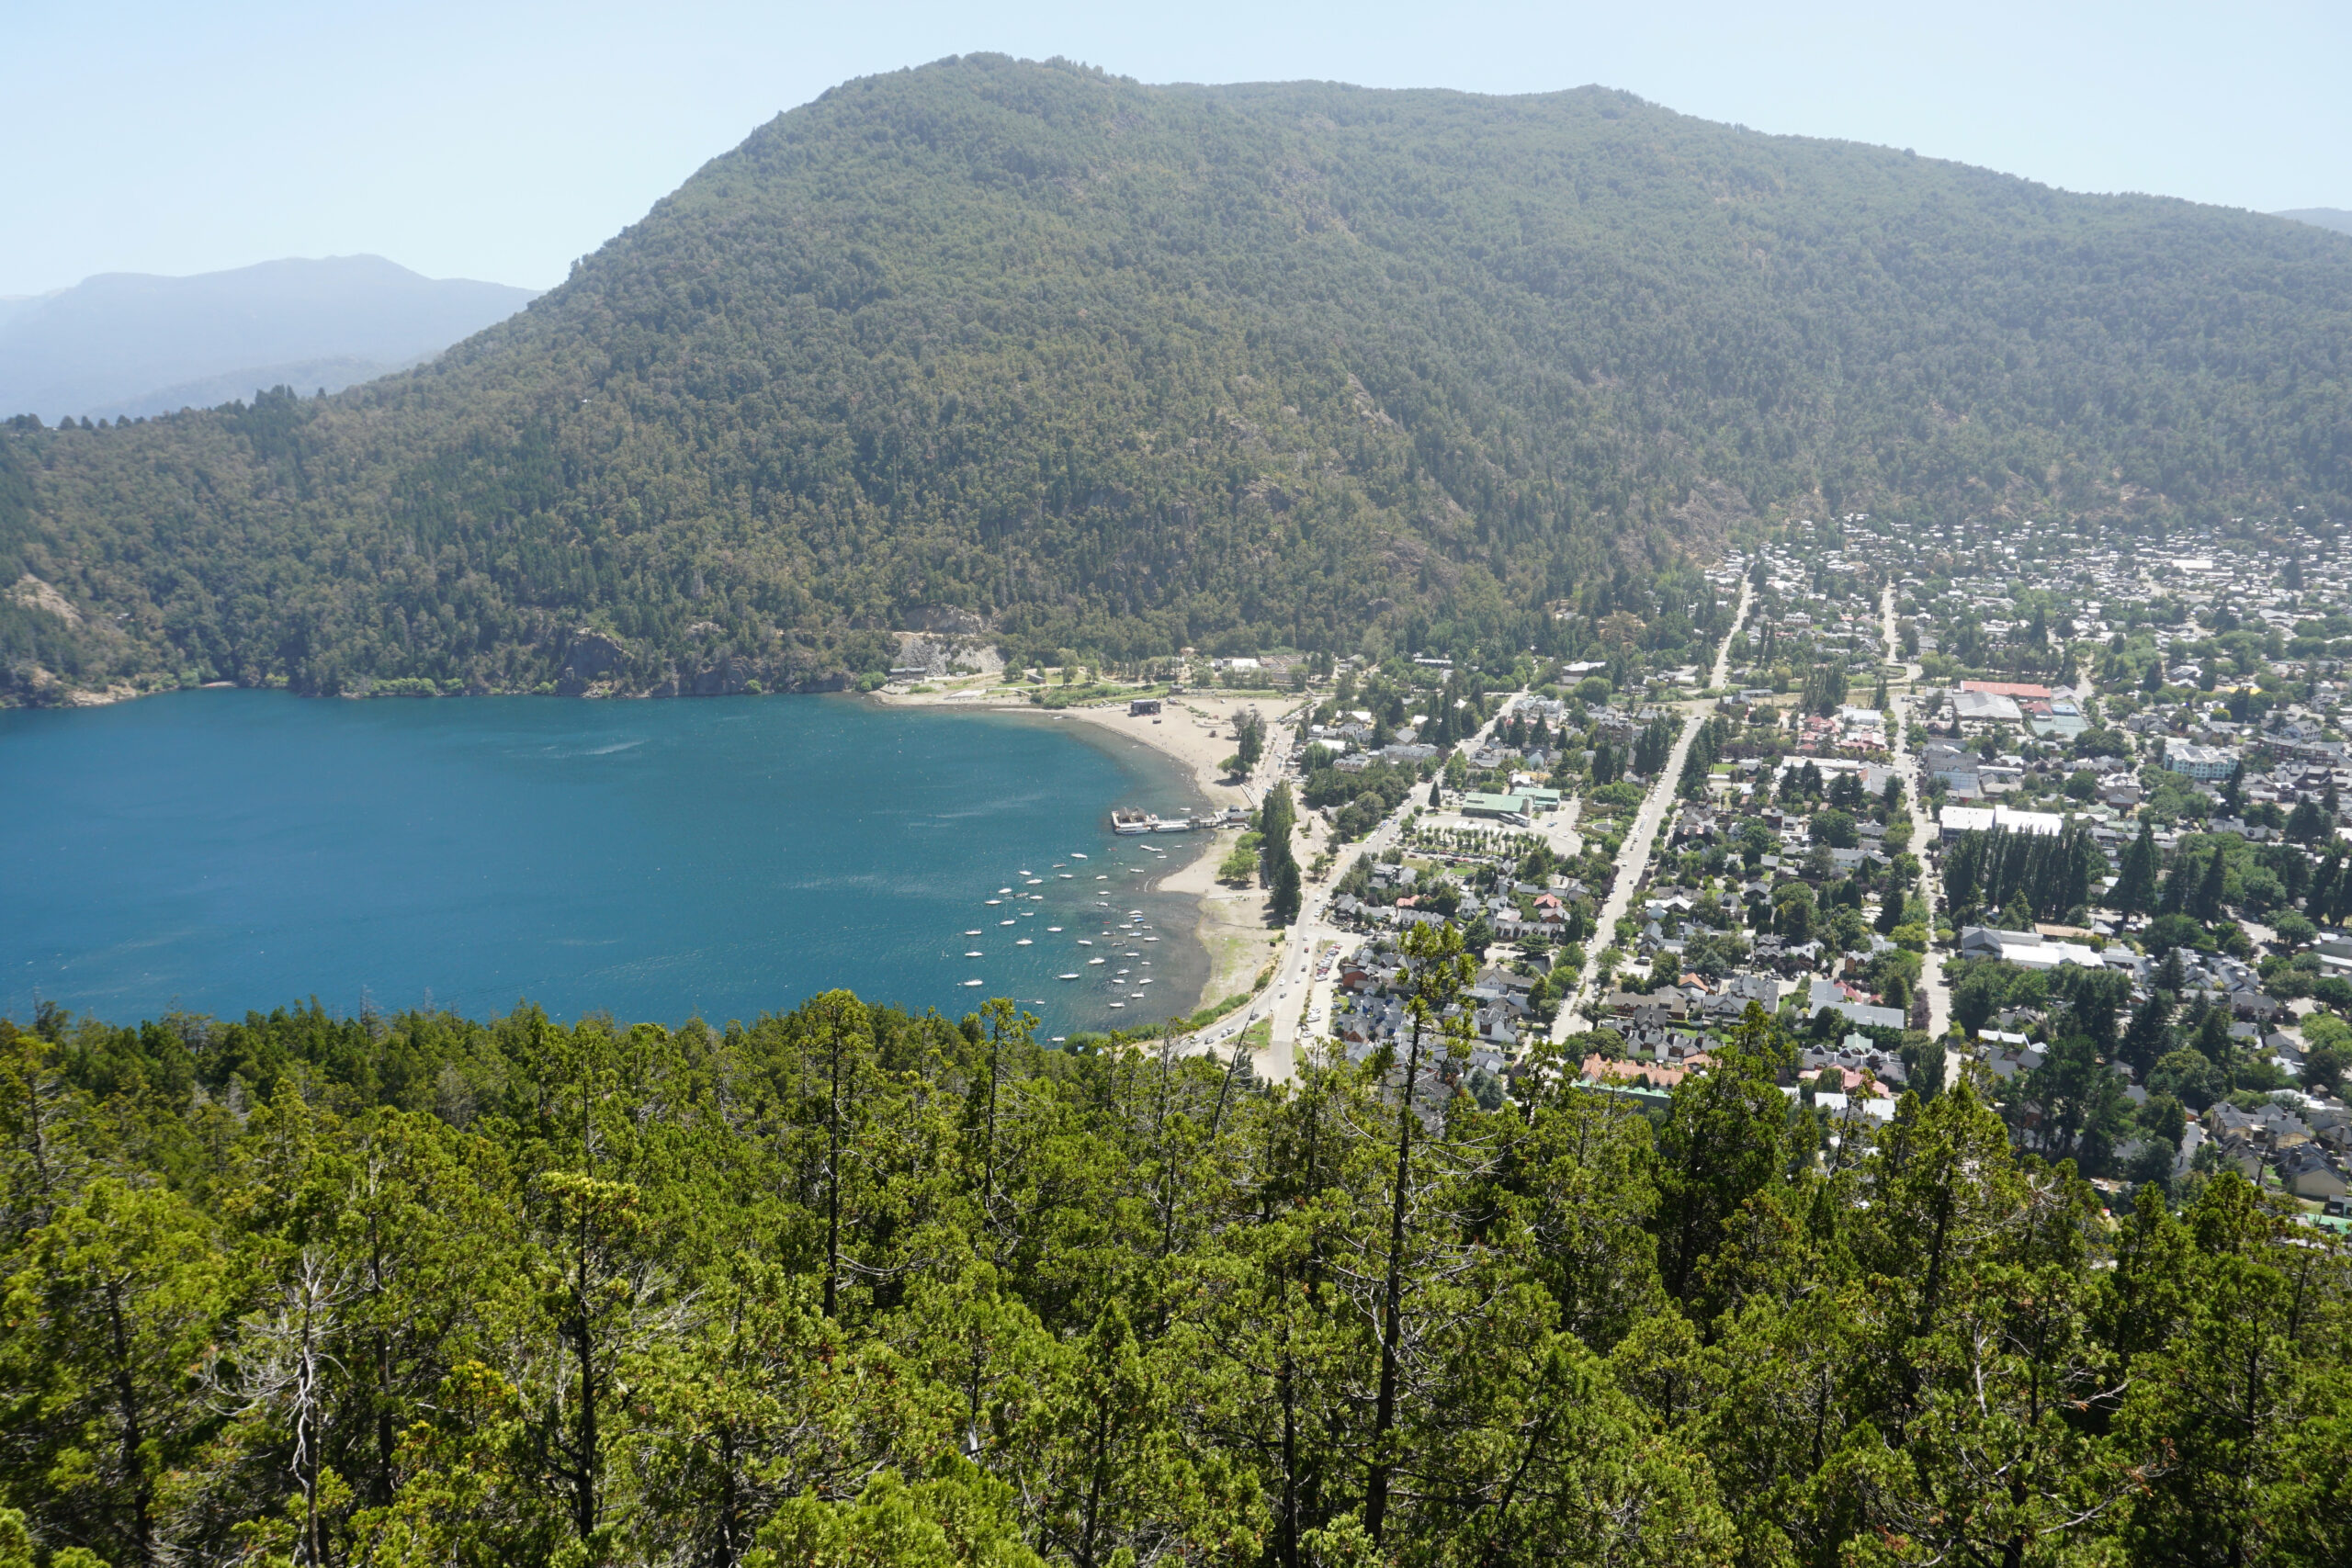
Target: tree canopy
848, 1286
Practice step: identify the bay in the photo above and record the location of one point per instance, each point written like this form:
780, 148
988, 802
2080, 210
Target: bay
214, 852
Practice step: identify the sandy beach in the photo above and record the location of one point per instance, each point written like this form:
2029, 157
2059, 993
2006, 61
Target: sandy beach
1197, 732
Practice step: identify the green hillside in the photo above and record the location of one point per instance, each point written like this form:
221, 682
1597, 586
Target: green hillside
1121, 369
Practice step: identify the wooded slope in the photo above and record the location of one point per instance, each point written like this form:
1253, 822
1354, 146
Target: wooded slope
1121, 369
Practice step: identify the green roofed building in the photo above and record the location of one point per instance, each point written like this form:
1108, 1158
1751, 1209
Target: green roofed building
1477, 805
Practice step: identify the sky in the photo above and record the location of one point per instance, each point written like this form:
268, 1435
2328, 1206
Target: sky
501, 139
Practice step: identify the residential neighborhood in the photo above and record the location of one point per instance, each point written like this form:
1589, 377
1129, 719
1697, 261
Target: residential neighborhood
2032, 808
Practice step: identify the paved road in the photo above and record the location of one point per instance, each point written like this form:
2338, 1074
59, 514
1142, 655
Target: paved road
1931, 973
1295, 992
1634, 856
1282, 733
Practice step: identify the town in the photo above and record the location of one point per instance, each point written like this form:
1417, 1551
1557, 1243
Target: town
2054, 812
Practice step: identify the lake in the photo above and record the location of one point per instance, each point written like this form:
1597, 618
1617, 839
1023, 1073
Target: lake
222, 851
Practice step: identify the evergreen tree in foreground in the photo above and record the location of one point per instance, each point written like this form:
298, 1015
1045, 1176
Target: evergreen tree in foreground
849, 1286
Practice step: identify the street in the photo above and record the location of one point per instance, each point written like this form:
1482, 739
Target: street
1906, 765
1640, 841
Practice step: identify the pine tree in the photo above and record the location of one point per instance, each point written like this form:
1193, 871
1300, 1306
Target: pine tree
2149, 1035
2017, 915
1891, 907
2179, 884
1249, 738
118, 1298
2136, 882
1720, 1146
1437, 971
2320, 903
2205, 904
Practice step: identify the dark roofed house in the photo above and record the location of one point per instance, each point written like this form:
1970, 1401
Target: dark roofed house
2308, 1171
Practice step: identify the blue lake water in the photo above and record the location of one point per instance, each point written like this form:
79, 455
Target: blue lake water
224, 851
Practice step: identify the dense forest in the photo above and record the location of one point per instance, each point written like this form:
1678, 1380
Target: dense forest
1111, 369
846, 1286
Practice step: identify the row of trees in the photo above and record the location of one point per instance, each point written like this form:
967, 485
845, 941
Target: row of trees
847, 1286
2023, 876
1278, 861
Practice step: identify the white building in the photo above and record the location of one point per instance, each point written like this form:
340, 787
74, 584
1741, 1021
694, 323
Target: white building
1954, 821
2199, 761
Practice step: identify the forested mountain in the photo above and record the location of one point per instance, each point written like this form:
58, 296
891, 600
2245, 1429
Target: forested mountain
849, 1288
1121, 367
131, 344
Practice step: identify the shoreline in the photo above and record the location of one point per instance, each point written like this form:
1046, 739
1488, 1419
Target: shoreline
1193, 737
1194, 733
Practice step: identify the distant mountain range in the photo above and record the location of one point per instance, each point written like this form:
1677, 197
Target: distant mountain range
2321, 216
1116, 369
132, 344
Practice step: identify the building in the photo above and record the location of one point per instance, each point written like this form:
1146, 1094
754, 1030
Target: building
1985, 707
2027, 950
1954, 821
1516, 809
1142, 705
2199, 761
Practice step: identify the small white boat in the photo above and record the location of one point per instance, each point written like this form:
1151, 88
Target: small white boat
973, 931
976, 953
1075, 855
1069, 976
1086, 941
1064, 876
1118, 1004
1145, 981
1007, 922
1023, 942
991, 900
1094, 961
1151, 939
976, 982
1053, 928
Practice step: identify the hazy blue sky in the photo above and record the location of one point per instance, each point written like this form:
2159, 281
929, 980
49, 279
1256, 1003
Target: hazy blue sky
494, 139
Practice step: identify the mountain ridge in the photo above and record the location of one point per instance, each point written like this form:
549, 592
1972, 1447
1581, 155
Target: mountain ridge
1119, 368
142, 344
2334, 218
